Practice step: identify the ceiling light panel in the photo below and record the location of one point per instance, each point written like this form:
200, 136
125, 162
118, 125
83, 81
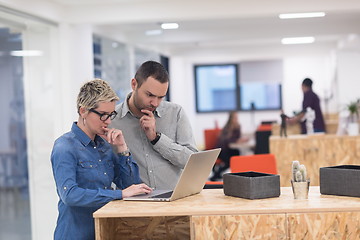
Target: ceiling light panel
298, 40
26, 53
301, 15
169, 26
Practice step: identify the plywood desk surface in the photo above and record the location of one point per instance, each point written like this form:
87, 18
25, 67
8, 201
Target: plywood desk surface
214, 202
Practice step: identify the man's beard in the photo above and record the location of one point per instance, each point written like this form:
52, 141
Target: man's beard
139, 106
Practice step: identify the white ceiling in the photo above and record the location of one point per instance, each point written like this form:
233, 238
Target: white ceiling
213, 24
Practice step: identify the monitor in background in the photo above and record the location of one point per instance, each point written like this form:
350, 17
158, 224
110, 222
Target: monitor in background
243, 86
260, 96
216, 87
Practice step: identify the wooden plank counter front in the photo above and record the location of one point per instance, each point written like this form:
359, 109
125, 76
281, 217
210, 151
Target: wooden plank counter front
314, 151
212, 215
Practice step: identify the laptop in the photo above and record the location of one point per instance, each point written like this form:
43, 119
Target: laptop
191, 181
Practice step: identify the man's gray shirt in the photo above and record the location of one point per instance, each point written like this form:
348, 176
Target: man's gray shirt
161, 164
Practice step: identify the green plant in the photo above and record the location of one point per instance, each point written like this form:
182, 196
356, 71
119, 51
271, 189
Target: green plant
299, 172
353, 108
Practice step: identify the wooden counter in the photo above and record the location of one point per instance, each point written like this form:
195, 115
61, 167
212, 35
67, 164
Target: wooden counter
295, 129
212, 215
314, 151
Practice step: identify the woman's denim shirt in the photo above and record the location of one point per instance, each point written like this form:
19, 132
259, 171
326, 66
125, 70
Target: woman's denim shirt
84, 171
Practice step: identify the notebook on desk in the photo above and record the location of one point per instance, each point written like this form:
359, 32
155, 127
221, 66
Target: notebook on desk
191, 181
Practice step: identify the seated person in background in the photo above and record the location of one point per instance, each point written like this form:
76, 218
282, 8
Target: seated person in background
231, 133
85, 165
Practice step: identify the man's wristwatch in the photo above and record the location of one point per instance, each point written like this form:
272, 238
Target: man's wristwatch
156, 139
125, 153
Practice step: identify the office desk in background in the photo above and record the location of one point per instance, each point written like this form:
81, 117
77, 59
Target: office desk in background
246, 147
212, 215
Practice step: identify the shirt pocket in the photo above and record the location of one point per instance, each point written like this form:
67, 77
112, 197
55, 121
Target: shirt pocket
87, 172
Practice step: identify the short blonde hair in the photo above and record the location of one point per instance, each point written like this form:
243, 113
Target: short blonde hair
94, 92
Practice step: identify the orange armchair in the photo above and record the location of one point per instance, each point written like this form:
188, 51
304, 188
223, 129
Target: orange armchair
265, 163
211, 136
213, 184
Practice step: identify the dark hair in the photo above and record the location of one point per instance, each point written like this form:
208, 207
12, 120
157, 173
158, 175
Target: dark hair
307, 82
151, 69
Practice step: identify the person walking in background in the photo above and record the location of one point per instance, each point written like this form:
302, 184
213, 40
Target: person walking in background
231, 133
311, 100
158, 132
85, 165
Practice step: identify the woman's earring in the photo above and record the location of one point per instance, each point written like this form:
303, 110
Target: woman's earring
84, 121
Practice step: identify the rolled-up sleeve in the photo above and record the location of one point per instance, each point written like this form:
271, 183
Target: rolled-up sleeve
178, 150
64, 164
126, 171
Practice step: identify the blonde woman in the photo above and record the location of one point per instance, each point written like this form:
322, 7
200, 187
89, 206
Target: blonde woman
85, 164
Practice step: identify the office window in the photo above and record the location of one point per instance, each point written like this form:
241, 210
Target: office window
260, 85
216, 87
112, 63
255, 86
260, 96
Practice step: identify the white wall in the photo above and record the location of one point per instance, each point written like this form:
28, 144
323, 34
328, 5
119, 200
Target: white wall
76, 64
348, 76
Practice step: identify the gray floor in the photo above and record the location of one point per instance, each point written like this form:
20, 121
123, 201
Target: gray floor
14, 214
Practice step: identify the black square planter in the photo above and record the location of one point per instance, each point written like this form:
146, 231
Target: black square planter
340, 180
251, 185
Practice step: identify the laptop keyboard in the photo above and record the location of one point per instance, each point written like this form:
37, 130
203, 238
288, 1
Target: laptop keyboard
163, 195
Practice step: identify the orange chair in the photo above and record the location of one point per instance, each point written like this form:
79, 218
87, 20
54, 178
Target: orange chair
264, 127
213, 184
264, 163
211, 136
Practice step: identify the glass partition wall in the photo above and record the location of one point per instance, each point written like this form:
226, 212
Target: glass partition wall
14, 191
25, 92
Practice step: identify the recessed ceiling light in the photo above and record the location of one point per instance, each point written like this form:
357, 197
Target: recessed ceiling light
297, 40
169, 25
301, 15
153, 32
26, 53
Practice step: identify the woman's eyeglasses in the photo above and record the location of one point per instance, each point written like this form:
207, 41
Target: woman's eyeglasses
104, 116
